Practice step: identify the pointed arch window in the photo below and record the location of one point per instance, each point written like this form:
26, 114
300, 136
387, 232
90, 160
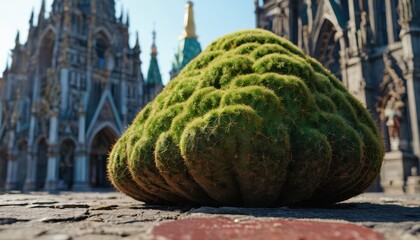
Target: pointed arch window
101, 48
78, 24
46, 52
327, 48
46, 59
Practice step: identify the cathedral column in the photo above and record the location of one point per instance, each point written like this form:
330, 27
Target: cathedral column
352, 30
12, 167
31, 170
81, 170
31, 160
51, 182
124, 110
412, 77
389, 22
11, 180
372, 18
409, 12
356, 63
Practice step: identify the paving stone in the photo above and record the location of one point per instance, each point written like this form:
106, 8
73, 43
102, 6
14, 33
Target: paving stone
65, 218
415, 230
96, 219
71, 205
112, 215
55, 237
21, 233
98, 237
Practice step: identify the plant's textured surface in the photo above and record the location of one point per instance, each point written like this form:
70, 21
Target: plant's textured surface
254, 122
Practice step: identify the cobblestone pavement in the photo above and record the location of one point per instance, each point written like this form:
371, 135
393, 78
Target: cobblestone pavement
112, 215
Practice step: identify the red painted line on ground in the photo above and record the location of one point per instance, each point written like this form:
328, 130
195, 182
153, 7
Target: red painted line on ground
279, 229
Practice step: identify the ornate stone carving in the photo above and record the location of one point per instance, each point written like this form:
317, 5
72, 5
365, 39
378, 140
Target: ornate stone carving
49, 102
53, 92
366, 39
390, 104
405, 11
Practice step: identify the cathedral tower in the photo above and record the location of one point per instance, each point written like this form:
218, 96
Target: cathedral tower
188, 46
71, 90
153, 83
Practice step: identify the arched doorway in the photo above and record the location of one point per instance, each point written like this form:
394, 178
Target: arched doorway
66, 166
100, 148
3, 167
327, 49
41, 164
21, 158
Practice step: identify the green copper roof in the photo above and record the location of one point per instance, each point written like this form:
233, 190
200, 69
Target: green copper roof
188, 49
153, 75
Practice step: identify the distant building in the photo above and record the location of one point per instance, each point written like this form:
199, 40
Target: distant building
71, 90
188, 47
374, 48
153, 84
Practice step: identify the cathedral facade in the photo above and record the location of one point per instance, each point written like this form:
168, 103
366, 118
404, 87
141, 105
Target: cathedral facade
374, 48
71, 90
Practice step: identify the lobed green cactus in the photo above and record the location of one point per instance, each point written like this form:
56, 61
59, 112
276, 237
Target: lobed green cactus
253, 122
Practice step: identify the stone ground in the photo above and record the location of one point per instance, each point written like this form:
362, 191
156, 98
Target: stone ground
112, 215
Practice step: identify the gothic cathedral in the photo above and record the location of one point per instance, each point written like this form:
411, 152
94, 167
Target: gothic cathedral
374, 48
69, 93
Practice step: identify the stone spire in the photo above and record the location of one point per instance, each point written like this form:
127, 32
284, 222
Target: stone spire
16, 54
31, 19
41, 15
154, 49
6, 69
17, 39
121, 15
127, 21
153, 76
189, 23
137, 44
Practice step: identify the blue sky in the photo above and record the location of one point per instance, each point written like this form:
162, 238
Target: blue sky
214, 18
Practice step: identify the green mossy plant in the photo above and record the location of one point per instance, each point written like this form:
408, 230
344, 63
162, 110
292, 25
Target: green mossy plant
254, 122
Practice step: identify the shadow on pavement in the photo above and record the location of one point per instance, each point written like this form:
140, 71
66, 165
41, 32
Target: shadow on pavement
352, 212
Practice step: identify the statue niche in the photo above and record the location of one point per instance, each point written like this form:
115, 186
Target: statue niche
390, 106
393, 118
